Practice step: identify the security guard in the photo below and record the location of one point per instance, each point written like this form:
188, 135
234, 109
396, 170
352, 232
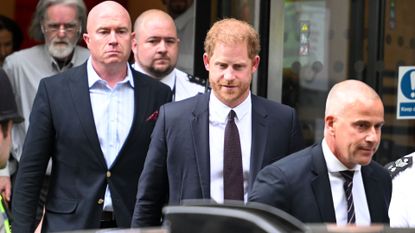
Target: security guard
402, 205
155, 49
8, 116
183, 85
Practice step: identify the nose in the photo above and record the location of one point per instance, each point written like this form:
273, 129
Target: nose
113, 38
162, 46
229, 74
61, 31
373, 135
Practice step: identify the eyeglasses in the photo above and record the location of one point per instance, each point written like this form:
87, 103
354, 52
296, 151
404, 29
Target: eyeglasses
57, 27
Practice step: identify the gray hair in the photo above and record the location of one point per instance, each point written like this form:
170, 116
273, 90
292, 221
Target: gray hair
35, 30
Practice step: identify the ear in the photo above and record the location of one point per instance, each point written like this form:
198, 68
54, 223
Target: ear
134, 43
85, 36
329, 124
134, 49
255, 63
206, 61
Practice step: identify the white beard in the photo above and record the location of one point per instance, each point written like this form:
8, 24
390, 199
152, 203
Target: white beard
61, 51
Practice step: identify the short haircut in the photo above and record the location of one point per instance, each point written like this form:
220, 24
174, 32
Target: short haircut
231, 31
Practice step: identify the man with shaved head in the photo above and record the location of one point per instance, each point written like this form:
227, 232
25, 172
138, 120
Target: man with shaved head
156, 48
95, 122
336, 180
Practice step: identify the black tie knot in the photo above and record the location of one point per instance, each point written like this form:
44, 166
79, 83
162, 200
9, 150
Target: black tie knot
347, 175
231, 115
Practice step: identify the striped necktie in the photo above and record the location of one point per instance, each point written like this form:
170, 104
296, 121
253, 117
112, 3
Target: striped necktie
348, 185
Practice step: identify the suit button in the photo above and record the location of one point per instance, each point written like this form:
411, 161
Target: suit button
100, 201
108, 174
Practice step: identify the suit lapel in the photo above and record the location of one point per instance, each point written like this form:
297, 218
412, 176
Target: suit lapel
259, 139
374, 195
200, 135
141, 101
78, 85
321, 185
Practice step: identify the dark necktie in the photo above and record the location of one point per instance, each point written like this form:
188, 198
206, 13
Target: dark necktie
232, 162
348, 185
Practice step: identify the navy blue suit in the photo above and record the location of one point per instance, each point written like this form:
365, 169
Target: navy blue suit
62, 128
299, 184
178, 161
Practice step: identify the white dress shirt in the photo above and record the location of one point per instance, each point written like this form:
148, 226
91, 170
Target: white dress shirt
178, 81
113, 110
218, 114
334, 166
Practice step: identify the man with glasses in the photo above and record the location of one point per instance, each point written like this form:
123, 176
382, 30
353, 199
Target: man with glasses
59, 24
156, 48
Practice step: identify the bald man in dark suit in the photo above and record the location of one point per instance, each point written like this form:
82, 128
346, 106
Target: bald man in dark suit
309, 184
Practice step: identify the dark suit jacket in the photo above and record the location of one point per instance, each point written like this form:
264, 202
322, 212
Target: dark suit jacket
62, 127
178, 163
299, 184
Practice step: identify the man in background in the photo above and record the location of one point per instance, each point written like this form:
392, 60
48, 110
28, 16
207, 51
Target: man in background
11, 37
155, 49
183, 13
402, 206
59, 24
8, 117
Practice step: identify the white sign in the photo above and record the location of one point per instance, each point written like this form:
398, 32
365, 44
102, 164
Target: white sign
405, 107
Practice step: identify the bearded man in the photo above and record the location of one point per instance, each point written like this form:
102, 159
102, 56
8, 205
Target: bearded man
59, 25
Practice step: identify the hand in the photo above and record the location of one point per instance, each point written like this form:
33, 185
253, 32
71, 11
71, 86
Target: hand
5, 143
5, 187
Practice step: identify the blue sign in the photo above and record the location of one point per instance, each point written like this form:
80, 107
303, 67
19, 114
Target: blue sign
405, 107
408, 84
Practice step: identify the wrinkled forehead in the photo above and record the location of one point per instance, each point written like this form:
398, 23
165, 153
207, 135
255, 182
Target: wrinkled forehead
108, 11
107, 18
63, 13
157, 28
370, 109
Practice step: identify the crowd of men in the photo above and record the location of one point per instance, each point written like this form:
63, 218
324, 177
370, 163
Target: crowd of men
107, 144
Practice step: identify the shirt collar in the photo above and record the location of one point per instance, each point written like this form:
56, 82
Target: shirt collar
333, 163
219, 111
94, 78
168, 79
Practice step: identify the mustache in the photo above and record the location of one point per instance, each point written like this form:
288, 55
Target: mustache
60, 41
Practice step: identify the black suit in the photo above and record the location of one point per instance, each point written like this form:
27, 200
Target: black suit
299, 184
178, 161
62, 127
